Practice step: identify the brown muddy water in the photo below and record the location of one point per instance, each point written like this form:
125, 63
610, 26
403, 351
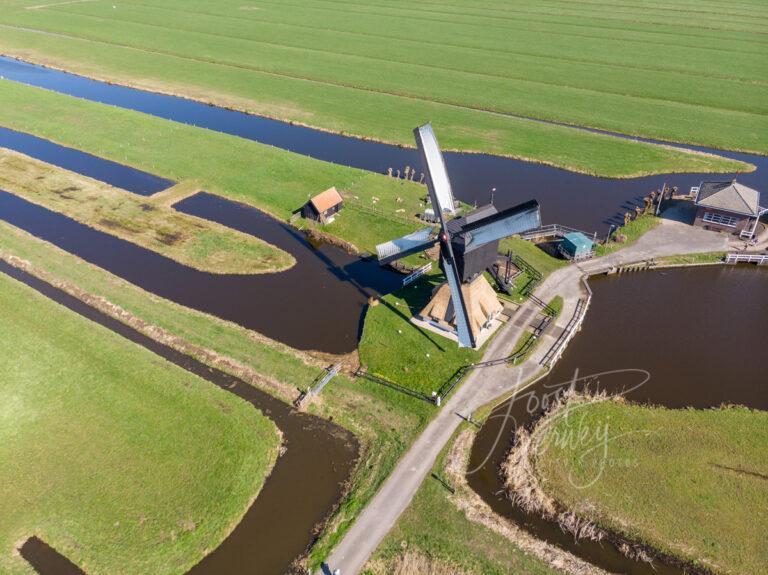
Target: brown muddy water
700, 334
305, 485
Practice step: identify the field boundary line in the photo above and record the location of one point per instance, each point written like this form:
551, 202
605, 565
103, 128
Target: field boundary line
43, 6
414, 97
351, 57
245, 16
590, 62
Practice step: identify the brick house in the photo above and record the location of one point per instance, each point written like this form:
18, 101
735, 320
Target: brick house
728, 207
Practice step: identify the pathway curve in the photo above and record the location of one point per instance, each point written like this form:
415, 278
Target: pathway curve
484, 385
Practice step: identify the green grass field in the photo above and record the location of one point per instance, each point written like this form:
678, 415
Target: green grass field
385, 421
121, 461
675, 72
689, 482
394, 348
268, 178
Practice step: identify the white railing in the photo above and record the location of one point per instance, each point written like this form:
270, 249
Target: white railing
759, 259
552, 230
417, 274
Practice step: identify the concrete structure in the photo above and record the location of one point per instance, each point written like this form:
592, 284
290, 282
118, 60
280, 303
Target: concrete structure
323, 207
728, 207
576, 246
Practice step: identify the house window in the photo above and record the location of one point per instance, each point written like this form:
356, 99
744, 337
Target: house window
720, 219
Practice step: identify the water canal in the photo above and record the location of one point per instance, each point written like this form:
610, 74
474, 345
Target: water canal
577, 200
316, 304
281, 523
724, 307
700, 333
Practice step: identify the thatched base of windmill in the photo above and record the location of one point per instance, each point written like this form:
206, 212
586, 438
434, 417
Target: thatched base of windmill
483, 306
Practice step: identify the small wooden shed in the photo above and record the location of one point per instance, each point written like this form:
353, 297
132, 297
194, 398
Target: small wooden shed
323, 207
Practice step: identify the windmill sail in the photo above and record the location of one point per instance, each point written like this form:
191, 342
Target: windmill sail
440, 193
463, 332
509, 222
412, 243
437, 176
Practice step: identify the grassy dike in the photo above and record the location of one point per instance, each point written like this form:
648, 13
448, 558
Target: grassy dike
273, 180
386, 422
108, 453
691, 483
146, 221
376, 71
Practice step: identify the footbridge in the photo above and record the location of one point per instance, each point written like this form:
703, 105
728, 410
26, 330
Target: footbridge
554, 231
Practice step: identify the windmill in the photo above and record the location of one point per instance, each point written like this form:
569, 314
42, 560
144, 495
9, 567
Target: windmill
468, 245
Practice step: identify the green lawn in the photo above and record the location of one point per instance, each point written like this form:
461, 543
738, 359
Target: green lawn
121, 461
435, 534
690, 482
396, 349
630, 233
271, 179
531, 253
385, 421
377, 71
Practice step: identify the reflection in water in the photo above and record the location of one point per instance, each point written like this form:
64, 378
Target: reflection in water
112, 173
577, 200
306, 307
699, 333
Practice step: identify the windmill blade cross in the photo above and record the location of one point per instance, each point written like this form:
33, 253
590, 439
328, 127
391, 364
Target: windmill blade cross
463, 331
509, 222
412, 243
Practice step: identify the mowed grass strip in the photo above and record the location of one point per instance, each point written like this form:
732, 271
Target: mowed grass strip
195, 242
374, 87
631, 85
271, 179
692, 483
120, 460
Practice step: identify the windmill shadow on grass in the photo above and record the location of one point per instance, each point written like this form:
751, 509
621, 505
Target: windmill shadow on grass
416, 296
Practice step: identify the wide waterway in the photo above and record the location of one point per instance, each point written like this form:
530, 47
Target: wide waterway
700, 333
577, 200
